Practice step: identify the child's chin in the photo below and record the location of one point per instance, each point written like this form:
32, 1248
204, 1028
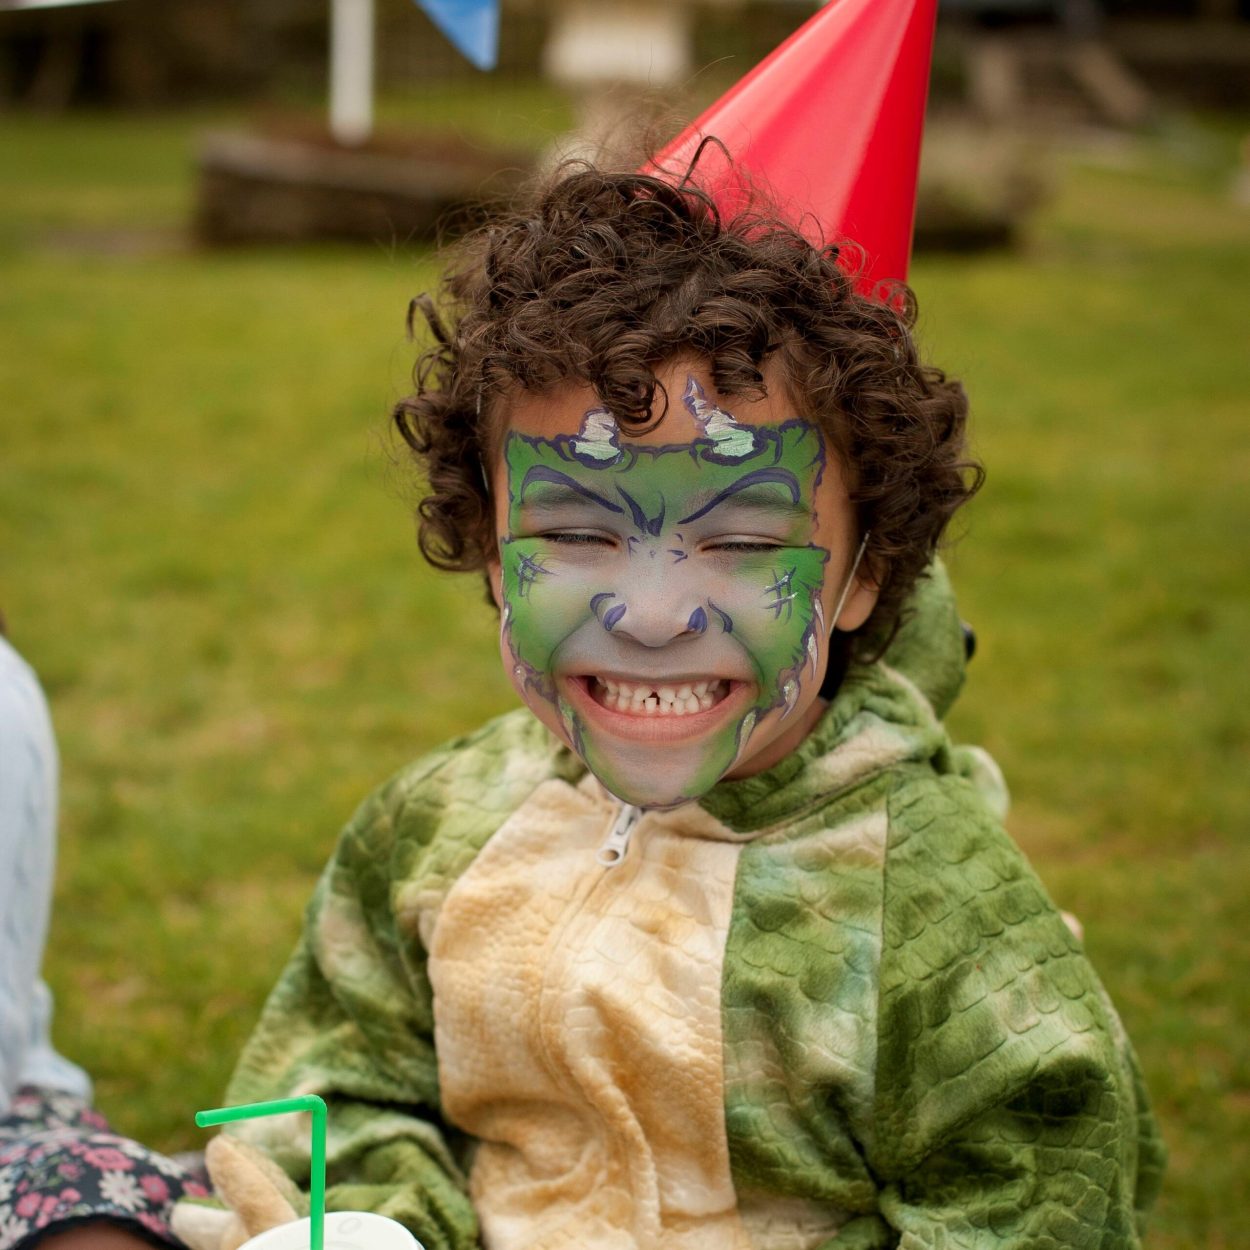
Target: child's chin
655, 779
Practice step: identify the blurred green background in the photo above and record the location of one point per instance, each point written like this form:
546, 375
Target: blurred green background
206, 550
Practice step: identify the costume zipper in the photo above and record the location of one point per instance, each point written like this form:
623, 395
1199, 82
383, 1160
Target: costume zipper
616, 845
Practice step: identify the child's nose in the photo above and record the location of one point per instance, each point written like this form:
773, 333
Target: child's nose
658, 624
656, 616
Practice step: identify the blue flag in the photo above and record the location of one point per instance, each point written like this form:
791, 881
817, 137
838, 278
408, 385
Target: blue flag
472, 25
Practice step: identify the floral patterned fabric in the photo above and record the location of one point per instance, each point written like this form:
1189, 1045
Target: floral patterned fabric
60, 1165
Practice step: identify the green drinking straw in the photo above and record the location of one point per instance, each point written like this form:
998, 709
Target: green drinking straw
308, 1102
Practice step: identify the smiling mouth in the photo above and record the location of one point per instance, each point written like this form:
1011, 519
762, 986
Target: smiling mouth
663, 699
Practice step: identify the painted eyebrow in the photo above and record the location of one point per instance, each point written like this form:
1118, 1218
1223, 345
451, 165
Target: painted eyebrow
766, 502
567, 490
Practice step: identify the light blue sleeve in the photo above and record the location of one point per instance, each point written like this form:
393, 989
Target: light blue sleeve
28, 790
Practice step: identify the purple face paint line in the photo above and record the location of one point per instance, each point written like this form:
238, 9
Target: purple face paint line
612, 617
540, 473
646, 525
727, 623
529, 572
698, 621
597, 601
678, 553
779, 477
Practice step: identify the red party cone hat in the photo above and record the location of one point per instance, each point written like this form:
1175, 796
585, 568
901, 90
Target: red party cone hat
829, 124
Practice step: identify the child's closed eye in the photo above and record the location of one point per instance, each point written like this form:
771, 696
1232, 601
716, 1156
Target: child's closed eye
741, 546
577, 538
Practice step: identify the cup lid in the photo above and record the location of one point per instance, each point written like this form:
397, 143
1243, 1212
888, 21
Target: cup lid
344, 1230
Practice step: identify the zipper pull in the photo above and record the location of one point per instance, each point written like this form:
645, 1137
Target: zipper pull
616, 845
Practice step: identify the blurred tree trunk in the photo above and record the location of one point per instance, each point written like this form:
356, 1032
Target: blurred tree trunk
137, 56
60, 60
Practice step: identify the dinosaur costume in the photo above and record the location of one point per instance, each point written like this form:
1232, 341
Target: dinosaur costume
827, 1005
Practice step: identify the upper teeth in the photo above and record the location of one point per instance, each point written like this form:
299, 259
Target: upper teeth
652, 700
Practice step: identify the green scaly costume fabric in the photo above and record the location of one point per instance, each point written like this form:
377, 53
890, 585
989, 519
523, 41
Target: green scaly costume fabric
912, 1037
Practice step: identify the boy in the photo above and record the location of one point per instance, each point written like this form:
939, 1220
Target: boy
723, 946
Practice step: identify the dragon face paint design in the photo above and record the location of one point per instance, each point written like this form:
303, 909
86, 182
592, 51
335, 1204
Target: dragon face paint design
662, 602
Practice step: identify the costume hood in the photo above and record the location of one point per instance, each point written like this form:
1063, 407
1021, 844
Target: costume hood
929, 647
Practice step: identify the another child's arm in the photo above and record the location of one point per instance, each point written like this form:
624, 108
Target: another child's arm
101, 1236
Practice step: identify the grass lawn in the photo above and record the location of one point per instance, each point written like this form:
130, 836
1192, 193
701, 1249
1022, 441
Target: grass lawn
206, 550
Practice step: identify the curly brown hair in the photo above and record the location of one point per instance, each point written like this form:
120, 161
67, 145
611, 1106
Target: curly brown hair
601, 277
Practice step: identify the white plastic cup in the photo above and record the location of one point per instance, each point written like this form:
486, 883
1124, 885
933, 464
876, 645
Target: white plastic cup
344, 1230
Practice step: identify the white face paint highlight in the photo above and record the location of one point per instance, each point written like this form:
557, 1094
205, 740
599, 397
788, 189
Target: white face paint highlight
597, 439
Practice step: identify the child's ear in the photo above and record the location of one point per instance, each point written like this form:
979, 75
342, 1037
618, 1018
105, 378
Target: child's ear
859, 603
494, 579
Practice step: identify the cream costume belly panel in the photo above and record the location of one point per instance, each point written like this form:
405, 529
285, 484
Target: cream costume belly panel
578, 1027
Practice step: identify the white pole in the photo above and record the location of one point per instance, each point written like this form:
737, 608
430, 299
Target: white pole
45, 4
351, 70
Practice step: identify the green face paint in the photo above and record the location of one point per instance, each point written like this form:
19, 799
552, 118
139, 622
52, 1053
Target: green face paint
662, 600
